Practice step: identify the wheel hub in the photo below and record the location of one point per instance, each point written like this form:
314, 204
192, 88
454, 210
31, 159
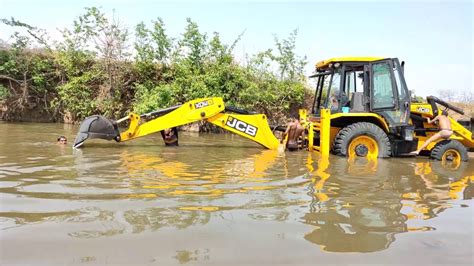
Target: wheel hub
363, 146
451, 158
361, 150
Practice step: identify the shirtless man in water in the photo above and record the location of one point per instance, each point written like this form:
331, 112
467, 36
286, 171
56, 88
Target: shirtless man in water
170, 136
294, 131
445, 130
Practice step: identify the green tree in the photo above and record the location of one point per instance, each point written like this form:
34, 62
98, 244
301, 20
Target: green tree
90, 71
195, 45
27, 69
162, 41
94, 52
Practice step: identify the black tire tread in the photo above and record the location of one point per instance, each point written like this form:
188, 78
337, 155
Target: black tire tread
442, 146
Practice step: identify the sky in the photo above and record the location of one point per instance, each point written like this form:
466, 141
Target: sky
434, 38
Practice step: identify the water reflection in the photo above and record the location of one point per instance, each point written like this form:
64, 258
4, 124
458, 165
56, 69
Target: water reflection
361, 205
223, 185
153, 219
168, 174
185, 256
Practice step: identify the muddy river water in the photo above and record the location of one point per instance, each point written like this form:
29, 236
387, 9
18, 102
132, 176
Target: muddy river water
222, 200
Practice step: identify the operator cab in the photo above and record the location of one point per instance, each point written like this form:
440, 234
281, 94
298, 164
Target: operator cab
362, 85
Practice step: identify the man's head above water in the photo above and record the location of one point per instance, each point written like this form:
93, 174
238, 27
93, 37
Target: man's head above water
295, 117
62, 140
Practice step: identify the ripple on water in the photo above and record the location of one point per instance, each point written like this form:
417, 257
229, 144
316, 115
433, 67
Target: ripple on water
6, 184
221, 182
17, 169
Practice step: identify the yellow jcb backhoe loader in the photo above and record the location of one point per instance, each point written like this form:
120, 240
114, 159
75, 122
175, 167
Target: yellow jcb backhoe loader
362, 107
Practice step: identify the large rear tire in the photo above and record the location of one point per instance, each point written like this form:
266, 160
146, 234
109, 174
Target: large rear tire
450, 152
362, 139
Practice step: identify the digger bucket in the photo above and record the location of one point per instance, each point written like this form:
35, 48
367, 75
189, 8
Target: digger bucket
96, 127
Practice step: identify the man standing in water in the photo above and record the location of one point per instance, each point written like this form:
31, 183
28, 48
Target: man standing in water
294, 131
445, 130
170, 136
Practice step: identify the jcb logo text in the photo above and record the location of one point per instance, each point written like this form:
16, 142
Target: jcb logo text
423, 110
202, 104
241, 126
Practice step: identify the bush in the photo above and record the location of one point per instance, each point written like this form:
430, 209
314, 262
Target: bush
152, 99
83, 76
76, 96
4, 93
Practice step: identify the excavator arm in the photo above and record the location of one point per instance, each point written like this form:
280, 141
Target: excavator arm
192, 111
252, 126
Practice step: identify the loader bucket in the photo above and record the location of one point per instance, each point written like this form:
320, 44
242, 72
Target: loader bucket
96, 127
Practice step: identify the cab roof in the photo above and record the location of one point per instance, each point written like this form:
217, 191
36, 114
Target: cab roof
325, 63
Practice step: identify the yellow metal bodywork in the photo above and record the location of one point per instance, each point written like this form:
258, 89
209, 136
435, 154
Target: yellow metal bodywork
316, 125
378, 117
189, 112
321, 125
421, 108
243, 125
327, 133
461, 133
254, 127
325, 63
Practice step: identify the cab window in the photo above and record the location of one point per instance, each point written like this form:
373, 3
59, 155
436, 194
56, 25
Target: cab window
383, 93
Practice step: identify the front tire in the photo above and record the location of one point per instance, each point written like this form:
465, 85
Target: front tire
449, 152
362, 139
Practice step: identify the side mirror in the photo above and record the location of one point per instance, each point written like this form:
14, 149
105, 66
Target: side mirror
403, 67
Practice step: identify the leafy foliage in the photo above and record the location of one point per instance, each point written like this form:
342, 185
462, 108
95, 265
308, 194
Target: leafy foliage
91, 70
4, 93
